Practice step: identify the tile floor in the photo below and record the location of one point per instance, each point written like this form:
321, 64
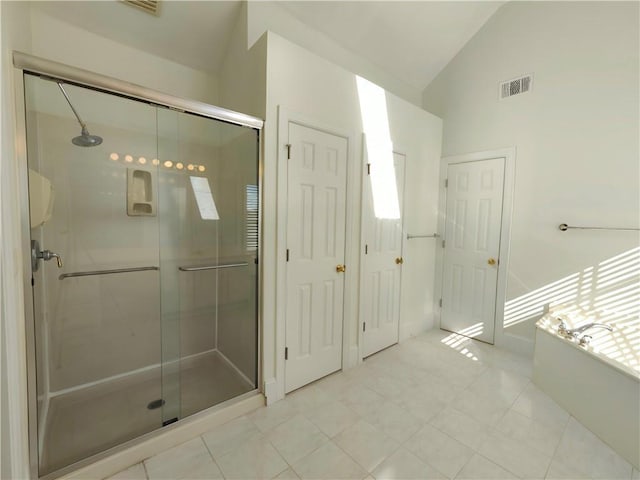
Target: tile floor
435, 407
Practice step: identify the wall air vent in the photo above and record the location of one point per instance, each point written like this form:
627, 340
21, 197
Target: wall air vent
149, 6
516, 86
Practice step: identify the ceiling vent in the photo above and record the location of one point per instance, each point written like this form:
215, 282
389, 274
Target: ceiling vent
516, 86
149, 6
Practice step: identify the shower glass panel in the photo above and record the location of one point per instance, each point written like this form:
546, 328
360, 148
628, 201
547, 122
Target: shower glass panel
209, 227
151, 314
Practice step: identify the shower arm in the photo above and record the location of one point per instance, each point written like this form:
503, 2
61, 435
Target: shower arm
82, 124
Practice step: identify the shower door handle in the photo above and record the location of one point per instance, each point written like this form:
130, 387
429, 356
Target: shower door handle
46, 255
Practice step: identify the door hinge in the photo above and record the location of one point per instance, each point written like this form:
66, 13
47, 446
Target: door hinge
368, 169
364, 326
443, 243
286, 353
32, 282
366, 249
287, 254
440, 303
446, 182
288, 145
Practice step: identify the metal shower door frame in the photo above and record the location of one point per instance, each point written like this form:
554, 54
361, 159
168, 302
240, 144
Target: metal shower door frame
28, 64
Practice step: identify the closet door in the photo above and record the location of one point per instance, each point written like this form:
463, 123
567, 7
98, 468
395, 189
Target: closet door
316, 211
382, 266
472, 247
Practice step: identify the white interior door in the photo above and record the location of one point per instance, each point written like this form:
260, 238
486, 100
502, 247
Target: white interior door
382, 269
317, 178
472, 247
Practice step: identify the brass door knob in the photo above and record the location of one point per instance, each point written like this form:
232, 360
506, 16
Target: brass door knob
492, 261
340, 268
399, 261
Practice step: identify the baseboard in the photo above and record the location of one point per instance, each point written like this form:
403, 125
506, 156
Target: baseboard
516, 344
174, 435
411, 329
354, 357
271, 391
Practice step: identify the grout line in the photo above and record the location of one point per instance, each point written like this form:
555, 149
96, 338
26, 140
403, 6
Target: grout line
555, 451
211, 454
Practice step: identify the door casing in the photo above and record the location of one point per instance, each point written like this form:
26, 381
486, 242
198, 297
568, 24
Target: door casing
509, 154
274, 387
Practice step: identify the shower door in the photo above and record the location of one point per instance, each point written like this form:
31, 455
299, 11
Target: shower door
144, 269
208, 208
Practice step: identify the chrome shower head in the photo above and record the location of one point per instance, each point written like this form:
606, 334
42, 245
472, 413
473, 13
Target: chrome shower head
85, 139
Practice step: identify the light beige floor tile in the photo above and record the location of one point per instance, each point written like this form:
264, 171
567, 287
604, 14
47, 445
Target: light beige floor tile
254, 459
461, 427
495, 382
487, 409
328, 462
516, 457
335, 384
479, 468
296, 438
190, 460
366, 444
332, 418
561, 471
136, 472
308, 398
439, 450
404, 465
363, 400
541, 436
288, 474
395, 422
537, 405
266, 418
226, 438
580, 450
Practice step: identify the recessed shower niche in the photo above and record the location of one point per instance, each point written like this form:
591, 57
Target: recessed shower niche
152, 314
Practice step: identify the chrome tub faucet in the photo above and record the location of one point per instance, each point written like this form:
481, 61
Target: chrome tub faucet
574, 333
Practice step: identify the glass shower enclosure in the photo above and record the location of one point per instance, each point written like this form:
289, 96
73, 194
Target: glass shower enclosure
144, 246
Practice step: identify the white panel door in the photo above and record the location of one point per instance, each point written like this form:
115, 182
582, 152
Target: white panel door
382, 269
472, 247
317, 177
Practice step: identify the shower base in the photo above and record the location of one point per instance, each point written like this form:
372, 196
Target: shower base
88, 421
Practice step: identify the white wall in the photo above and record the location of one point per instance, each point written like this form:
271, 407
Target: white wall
268, 15
326, 94
242, 75
66, 43
13, 421
576, 135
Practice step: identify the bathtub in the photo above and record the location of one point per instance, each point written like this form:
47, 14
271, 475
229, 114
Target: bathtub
600, 391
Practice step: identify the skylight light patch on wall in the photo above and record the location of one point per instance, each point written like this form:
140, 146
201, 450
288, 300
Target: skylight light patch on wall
204, 198
375, 123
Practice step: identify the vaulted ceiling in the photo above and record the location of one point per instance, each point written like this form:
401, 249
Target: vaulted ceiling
412, 41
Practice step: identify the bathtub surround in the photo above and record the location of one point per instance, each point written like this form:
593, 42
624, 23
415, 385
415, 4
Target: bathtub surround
602, 392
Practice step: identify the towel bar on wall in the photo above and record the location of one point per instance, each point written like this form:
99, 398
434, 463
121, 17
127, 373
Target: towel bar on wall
211, 267
433, 235
564, 227
105, 272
